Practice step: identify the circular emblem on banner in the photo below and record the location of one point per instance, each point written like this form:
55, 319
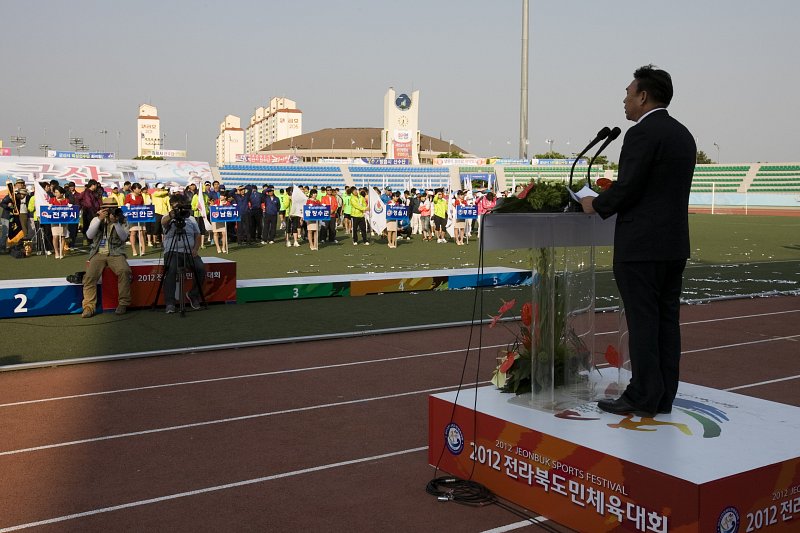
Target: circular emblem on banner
728, 521
454, 438
403, 102
377, 208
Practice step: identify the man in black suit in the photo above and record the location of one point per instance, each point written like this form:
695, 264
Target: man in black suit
651, 244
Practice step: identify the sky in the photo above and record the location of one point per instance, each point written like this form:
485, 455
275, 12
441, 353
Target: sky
80, 67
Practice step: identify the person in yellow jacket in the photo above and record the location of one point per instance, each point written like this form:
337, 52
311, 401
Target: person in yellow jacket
118, 196
160, 199
358, 207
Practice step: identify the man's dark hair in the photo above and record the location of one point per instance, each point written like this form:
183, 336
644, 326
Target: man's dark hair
657, 83
177, 199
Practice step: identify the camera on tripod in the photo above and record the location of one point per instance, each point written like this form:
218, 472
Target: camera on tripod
180, 214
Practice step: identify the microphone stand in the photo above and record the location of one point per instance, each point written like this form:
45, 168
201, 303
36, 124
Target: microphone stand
611, 136
602, 134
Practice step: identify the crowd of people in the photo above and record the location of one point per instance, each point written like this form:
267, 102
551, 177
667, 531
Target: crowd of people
266, 215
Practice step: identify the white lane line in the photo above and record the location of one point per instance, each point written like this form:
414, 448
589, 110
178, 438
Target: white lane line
738, 344
517, 525
768, 382
211, 489
246, 376
233, 419
739, 317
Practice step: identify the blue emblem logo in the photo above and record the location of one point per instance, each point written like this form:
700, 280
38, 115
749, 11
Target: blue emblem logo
728, 521
454, 438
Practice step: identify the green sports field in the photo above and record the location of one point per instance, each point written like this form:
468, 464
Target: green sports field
731, 255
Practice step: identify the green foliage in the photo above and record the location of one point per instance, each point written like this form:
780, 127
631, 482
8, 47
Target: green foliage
551, 155
451, 155
703, 159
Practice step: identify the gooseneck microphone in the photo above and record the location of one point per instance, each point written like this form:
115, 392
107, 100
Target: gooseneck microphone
602, 134
611, 136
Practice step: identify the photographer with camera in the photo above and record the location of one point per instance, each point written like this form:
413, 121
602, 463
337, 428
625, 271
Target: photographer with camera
182, 240
108, 233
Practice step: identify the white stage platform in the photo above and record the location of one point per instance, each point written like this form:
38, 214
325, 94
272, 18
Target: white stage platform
720, 462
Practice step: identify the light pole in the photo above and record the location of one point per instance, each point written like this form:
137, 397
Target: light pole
20, 141
718, 158
105, 138
75, 142
450, 148
44, 148
550, 144
118, 133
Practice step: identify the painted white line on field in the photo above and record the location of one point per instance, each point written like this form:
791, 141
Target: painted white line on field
738, 344
233, 419
206, 490
517, 525
768, 382
246, 376
739, 317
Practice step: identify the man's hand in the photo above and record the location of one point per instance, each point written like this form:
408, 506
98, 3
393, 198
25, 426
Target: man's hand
102, 214
586, 203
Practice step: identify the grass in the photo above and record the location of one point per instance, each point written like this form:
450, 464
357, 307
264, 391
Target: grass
731, 254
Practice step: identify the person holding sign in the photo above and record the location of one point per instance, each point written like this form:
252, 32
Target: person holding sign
391, 224
108, 234
219, 229
137, 230
460, 225
57, 230
312, 226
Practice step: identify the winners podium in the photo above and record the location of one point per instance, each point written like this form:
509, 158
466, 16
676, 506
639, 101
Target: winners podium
720, 462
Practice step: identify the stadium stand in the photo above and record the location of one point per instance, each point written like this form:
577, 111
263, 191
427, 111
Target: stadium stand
282, 176
776, 178
719, 178
400, 177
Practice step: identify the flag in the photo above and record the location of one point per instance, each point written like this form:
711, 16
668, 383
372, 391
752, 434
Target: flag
451, 215
40, 198
298, 199
377, 212
15, 231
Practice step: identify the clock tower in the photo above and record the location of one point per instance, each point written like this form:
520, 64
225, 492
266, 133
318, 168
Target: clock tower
400, 136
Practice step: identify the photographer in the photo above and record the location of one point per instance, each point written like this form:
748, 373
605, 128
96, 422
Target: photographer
182, 240
108, 235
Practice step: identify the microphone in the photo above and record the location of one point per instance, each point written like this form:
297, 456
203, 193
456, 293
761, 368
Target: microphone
602, 134
611, 136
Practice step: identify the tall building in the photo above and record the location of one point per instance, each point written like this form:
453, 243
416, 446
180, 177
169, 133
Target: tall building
401, 136
279, 120
148, 130
230, 141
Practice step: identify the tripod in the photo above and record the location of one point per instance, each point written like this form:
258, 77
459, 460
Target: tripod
178, 261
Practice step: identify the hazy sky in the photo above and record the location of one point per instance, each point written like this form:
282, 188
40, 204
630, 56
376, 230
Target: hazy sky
84, 66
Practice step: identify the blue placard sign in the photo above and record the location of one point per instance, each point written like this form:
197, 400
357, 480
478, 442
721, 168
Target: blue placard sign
224, 213
136, 214
396, 212
59, 214
316, 213
466, 212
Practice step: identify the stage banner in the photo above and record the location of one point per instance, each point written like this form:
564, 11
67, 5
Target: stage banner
139, 214
466, 212
267, 158
224, 213
396, 212
59, 214
380, 161
80, 155
108, 172
456, 161
147, 274
316, 213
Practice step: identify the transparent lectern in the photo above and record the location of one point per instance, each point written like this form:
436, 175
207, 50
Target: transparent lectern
566, 369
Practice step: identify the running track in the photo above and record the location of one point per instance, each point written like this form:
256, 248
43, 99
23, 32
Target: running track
322, 436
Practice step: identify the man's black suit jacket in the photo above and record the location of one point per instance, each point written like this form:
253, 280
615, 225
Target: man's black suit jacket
651, 194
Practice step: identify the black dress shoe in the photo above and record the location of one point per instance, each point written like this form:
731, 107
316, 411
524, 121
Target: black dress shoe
620, 406
665, 410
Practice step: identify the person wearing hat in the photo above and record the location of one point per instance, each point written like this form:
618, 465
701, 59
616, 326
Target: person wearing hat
108, 234
22, 205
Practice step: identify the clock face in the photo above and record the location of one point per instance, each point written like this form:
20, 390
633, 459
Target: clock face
403, 102
402, 121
